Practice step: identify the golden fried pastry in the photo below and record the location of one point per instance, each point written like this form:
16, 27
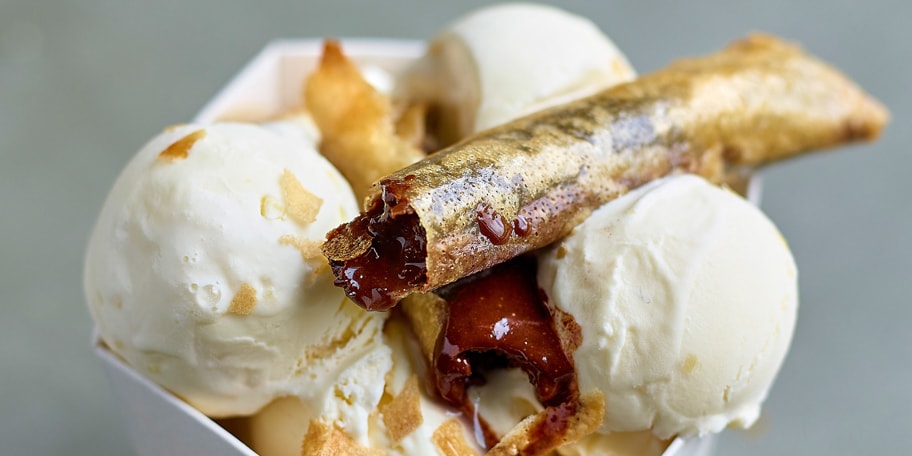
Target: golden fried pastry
525, 184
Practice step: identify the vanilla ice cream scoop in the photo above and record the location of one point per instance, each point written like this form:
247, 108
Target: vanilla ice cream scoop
686, 296
502, 62
204, 273
405, 421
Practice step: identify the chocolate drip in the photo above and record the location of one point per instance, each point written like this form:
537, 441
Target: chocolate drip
521, 226
493, 225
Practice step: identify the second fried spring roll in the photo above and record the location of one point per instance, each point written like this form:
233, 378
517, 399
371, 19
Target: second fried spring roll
527, 183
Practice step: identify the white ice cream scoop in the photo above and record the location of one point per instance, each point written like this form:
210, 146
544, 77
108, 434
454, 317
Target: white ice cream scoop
505, 61
406, 420
204, 272
686, 296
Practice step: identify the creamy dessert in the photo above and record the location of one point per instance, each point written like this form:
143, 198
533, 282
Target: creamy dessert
686, 296
407, 420
574, 280
505, 61
203, 272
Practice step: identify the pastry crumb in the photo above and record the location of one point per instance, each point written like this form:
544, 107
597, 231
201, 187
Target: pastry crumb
181, 148
310, 251
450, 439
325, 440
690, 363
244, 301
271, 208
403, 415
301, 205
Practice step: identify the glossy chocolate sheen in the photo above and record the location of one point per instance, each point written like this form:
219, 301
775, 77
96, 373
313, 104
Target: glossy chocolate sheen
394, 260
757, 101
499, 316
497, 319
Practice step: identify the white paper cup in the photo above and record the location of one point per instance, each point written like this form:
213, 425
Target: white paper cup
160, 423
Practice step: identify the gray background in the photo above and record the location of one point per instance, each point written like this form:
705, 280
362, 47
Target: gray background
84, 84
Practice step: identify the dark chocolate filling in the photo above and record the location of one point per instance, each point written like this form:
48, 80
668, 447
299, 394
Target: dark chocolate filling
395, 261
498, 318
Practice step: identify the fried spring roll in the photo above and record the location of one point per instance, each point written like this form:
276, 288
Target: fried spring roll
527, 183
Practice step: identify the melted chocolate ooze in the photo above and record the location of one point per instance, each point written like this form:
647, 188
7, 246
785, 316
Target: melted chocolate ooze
395, 261
497, 318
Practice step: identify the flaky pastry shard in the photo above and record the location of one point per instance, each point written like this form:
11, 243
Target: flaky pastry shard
357, 123
526, 437
324, 439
